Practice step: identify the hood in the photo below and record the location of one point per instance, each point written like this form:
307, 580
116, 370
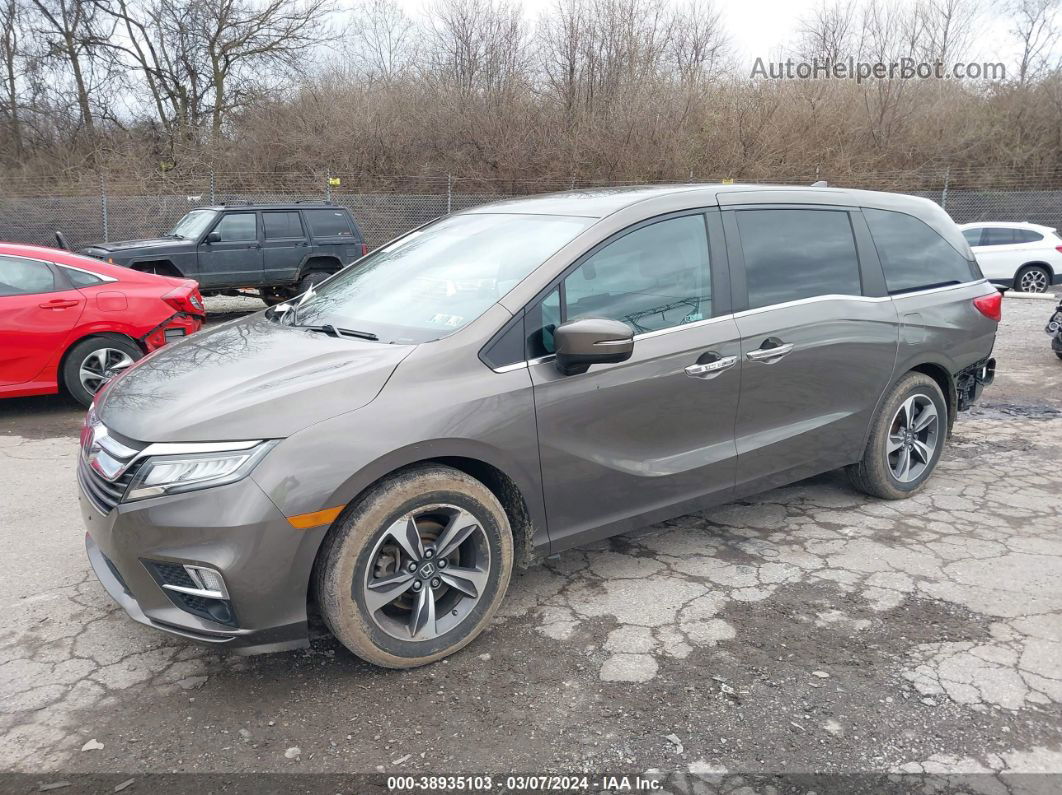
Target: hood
248, 379
128, 245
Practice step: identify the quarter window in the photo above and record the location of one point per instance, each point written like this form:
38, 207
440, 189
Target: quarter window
329, 223
795, 254
912, 255
652, 278
973, 236
279, 225
1027, 236
237, 228
81, 278
20, 276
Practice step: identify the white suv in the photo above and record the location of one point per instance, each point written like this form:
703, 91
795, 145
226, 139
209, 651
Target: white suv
1025, 256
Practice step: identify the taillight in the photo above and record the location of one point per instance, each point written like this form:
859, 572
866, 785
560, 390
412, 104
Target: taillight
184, 300
991, 306
365, 249
1058, 249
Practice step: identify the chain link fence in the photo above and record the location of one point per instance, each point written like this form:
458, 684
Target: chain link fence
97, 209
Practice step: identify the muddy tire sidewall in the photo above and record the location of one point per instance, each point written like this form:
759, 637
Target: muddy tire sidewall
347, 551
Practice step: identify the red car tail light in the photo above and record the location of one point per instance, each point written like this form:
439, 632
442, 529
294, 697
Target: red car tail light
365, 249
185, 299
991, 306
1058, 249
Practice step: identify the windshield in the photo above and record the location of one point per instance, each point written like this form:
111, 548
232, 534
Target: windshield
193, 224
437, 280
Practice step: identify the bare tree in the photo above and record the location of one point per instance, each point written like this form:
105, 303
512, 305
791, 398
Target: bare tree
73, 35
243, 41
1035, 25
10, 53
383, 39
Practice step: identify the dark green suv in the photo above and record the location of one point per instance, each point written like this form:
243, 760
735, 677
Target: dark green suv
279, 249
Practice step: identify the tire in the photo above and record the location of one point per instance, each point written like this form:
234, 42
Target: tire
876, 474
364, 547
98, 356
1058, 354
311, 279
1032, 279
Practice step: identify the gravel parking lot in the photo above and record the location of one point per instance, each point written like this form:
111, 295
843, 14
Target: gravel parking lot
807, 629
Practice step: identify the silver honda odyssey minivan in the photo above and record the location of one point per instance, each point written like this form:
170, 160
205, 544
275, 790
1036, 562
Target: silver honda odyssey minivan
517, 379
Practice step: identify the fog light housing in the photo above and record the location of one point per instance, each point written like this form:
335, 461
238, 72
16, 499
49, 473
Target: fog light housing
199, 590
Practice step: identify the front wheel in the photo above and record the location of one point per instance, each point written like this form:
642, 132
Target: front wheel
416, 569
906, 440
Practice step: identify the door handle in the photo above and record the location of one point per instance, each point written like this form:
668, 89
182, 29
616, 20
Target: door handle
58, 303
711, 369
769, 355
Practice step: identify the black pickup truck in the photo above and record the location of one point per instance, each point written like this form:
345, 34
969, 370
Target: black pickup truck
279, 249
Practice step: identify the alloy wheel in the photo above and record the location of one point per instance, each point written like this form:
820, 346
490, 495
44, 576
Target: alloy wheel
100, 366
1033, 281
426, 573
913, 438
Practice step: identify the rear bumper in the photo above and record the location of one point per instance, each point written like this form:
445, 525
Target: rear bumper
235, 530
173, 328
971, 381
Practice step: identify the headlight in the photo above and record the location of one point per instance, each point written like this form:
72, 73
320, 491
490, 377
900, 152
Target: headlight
172, 474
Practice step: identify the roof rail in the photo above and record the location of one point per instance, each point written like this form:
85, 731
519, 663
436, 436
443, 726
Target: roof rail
819, 184
236, 203
315, 201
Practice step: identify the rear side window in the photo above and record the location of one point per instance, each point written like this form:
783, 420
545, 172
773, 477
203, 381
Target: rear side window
329, 223
912, 255
20, 276
794, 254
998, 236
281, 225
973, 236
81, 278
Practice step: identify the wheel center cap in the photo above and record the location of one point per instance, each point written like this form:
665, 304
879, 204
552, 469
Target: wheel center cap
427, 570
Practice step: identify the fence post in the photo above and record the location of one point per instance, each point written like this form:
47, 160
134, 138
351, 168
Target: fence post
449, 193
328, 185
944, 193
103, 208
213, 187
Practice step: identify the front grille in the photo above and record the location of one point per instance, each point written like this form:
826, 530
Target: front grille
103, 493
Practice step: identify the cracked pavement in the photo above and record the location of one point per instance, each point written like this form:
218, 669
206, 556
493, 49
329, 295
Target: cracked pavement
808, 628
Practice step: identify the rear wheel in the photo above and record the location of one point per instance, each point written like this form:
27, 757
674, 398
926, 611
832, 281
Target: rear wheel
1032, 279
417, 569
906, 440
93, 362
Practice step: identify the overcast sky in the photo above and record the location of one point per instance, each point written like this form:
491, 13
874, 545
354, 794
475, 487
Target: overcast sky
761, 28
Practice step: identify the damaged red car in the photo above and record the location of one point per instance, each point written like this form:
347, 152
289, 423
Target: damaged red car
70, 323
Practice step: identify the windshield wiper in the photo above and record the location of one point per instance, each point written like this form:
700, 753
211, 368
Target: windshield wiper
328, 328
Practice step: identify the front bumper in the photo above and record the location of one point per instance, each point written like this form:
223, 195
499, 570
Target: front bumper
234, 529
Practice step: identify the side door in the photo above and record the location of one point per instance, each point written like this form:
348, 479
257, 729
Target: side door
818, 339
284, 246
652, 437
230, 254
38, 310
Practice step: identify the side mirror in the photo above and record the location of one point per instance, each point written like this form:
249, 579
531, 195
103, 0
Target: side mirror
592, 340
213, 237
